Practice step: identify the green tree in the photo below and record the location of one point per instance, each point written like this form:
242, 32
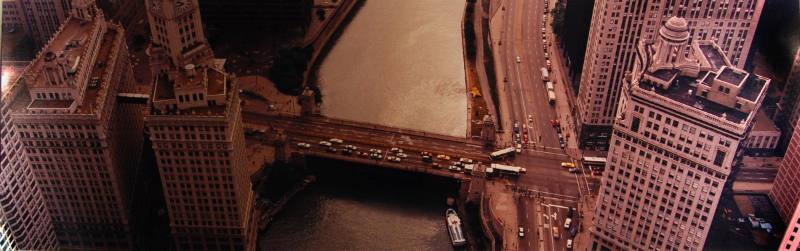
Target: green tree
287, 72
557, 14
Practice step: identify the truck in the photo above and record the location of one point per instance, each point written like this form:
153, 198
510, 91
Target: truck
551, 97
545, 75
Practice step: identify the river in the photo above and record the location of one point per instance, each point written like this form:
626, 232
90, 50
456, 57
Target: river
354, 207
399, 63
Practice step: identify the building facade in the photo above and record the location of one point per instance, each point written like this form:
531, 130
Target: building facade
791, 239
785, 190
68, 140
38, 18
683, 116
788, 112
195, 127
617, 26
764, 138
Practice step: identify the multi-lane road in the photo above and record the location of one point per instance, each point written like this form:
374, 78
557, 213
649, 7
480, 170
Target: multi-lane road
522, 53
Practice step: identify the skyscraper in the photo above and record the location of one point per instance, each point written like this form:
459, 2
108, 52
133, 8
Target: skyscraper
38, 18
617, 25
788, 113
69, 148
784, 194
791, 239
196, 131
683, 113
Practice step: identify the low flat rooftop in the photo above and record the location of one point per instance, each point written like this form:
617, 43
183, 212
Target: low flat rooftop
665, 75
762, 123
713, 55
734, 77
164, 87
679, 91
753, 86
216, 82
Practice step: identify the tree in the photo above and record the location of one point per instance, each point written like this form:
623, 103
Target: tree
287, 72
558, 14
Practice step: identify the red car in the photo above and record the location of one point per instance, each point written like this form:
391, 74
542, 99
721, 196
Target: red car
555, 122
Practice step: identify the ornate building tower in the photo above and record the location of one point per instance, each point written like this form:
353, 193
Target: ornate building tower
195, 126
71, 146
177, 34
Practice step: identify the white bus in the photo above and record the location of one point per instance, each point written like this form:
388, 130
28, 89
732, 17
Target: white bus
595, 162
502, 153
506, 169
545, 75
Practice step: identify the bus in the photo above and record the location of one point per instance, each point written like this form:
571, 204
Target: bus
594, 163
506, 169
545, 75
499, 154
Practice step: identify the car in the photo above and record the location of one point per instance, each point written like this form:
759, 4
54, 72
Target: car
402, 155
325, 143
425, 154
443, 157
519, 60
569, 244
458, 164
336, 141
436, 165
351, 147
376, 151
376, 156
558, 129
427, 158
555, 122
347, 151
567, 222
530, 118
546, 55
573, 170
331, 149
556, 234
521, 232
363, 154
567, 164
454, 168
304, 145
393, 159
396, 150
561, 144
570, 212
518, 148
465, 160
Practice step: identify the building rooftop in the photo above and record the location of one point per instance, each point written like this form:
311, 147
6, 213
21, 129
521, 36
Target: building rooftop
72, 47
753, 86
679, 91
714, 56
731, 76
213, 83
665, 74
762, 123
216, 82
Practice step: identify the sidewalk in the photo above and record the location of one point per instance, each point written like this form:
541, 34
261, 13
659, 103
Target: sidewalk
564, 98
503, 209
496, 32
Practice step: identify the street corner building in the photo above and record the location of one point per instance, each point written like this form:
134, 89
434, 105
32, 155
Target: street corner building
618, 25
684, 112
195, 127
68, 145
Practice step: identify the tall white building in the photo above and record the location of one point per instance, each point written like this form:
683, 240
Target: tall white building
617, 26
195, 126
69, 148
683, 116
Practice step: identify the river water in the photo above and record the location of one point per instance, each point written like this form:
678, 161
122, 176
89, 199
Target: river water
399, 63
354, 207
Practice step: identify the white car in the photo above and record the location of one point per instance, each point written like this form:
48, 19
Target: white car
325, 143
530, 118
567, 222
336, 141
465, 160
521, 232
402, 155
569, 244
396, 150
393, 159
351, 147
303, 145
